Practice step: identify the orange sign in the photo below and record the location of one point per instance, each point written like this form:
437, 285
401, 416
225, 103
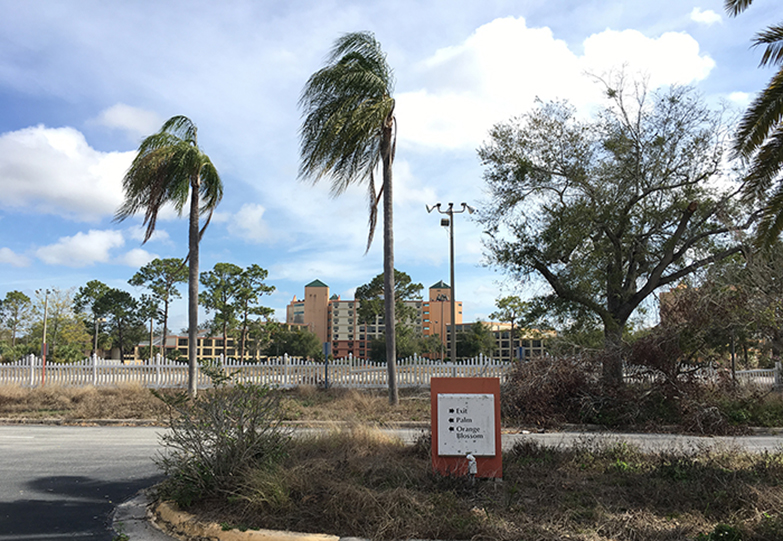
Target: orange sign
466, 426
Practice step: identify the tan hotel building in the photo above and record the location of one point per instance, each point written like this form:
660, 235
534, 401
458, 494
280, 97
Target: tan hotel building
335, 320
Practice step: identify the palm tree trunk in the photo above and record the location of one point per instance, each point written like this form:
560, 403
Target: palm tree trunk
388, 265
193, 285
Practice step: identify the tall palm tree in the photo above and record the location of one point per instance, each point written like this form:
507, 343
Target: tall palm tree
759, 139
170, 165
348, 130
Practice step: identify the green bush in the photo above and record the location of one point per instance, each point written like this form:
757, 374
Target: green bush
217, 438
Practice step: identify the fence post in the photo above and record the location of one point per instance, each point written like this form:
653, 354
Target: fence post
157, 370
94, 359
31, 358
285, 369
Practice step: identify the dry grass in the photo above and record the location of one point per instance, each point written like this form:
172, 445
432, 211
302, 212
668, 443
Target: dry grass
358, 482
134, 402
79, 403
310, 403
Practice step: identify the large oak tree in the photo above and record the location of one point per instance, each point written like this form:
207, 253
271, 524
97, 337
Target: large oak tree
608, 209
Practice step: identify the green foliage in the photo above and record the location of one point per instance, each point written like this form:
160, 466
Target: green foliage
295, 341
233, 294
370, 297
607, 210
217, 438
160, 277
15, 313
64, 327
409, 343
122, 313
251, 288
721, 532
477, 340
511, 309
220, 288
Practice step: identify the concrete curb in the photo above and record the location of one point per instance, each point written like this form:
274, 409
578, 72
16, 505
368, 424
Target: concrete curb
133, 519
186, 526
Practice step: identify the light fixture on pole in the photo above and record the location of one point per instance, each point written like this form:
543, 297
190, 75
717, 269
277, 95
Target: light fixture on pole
449, 222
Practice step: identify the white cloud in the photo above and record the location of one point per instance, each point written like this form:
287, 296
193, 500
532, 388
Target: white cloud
138, 257
740, 98
9, 257
81, 250
673, 58
499, 70
707, 16
248, 223
136, 122
55, 171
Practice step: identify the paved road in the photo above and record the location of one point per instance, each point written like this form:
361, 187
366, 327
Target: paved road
63, 482
645, 442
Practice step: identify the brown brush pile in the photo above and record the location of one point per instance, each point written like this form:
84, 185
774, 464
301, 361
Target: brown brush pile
549, 392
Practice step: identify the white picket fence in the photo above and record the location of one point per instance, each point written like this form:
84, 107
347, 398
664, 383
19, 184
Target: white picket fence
284, 372
288, 371
762, 377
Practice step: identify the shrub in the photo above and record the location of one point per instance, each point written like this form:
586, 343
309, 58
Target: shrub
218, 437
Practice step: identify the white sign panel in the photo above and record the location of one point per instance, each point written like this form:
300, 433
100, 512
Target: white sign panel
466, 424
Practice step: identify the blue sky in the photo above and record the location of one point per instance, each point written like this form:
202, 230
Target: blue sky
82, 82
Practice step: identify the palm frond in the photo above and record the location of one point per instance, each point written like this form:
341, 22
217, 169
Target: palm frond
162, 173
210, 185
765, 167
735, 7
373, 210
345, 105
181, 127
771, 223
772, 37
761, 117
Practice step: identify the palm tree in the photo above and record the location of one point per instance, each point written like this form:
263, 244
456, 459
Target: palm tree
759, 139
348, 129
168, 166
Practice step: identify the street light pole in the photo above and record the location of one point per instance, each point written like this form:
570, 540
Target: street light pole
450, 212
43, 338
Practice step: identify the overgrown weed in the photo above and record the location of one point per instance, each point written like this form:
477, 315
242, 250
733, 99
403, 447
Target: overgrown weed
359, 483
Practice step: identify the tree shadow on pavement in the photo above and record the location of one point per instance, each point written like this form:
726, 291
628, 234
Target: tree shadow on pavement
74, 507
